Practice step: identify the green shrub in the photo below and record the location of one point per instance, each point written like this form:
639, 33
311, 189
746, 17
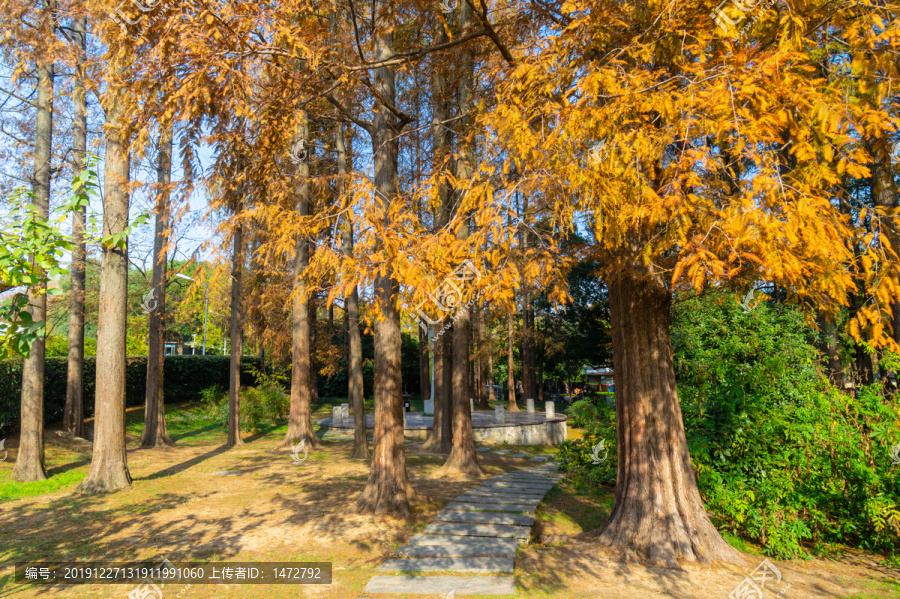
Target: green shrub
784, 459
267, 402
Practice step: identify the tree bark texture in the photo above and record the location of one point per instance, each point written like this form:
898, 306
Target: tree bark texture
73, 413
657, 512
109, 465
234, 372
155, 433
29, 465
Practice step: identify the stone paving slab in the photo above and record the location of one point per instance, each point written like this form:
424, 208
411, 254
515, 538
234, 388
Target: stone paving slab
512, 484
539, 458
458, 541
520, 455
537, 480
457, 550
457, 564
502, 451
544, 486
485, 518
490, 507
478, 530
506, 493
483, 448
441, 585
514, 499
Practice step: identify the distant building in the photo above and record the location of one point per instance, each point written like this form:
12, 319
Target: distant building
597, 379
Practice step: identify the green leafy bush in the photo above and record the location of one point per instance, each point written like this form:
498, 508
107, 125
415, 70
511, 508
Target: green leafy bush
266, 402
783, 458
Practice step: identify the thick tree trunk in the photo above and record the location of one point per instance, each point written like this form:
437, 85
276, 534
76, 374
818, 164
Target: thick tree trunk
351, 314
30, 458
109, 465
234, 371
73, 413
463, 457
388, 490
511, 365
155, 433
300, 426
657, 512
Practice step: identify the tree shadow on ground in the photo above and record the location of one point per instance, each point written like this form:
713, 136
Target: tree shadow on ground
172, 470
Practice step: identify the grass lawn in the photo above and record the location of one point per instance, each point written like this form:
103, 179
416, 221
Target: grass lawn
199, 501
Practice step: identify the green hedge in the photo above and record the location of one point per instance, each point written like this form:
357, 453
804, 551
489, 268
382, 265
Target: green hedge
185, 377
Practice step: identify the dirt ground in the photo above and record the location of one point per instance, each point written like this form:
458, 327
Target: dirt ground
199, 501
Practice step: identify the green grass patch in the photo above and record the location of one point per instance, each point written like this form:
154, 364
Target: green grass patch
59, 482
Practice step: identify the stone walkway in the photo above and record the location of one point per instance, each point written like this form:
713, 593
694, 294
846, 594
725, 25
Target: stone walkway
477, 533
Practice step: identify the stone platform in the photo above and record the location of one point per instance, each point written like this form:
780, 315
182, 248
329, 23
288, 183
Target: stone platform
519, 428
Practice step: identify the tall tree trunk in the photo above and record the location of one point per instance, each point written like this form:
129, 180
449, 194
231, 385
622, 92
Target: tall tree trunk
355, 382
511, 365
424, 370
463, 457
657, 511
313, 332
489, 344
388, 490
529, 389
73, 413
351, 313
447, 358
234, 372
480, 359
884, 195
155, 433
829, 346
440, 436
109, 462
30, 458
863, 367
300, 419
